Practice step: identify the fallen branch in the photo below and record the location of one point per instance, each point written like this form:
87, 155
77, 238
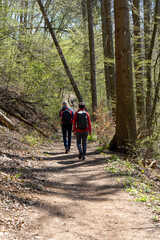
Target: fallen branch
28, 123
7, 122
31, 125
25, 111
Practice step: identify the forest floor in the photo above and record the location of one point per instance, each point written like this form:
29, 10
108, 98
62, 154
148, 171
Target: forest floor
49, 195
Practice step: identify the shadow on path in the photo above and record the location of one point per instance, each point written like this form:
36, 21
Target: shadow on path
73, 180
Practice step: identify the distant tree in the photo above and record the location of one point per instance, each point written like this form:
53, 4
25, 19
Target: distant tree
92, 57
147, 22
105, 51
86, 58
108, 50
149, 96
140, 101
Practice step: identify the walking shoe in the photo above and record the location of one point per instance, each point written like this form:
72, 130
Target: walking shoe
67, 150
80, 155
84, 157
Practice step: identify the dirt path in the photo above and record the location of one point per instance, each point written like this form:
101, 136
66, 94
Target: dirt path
79, 200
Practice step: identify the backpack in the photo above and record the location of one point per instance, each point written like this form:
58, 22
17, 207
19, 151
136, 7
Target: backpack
66, 116
82, 121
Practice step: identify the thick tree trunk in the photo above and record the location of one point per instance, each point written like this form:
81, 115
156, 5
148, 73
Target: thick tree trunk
92, 57
69, 74
125, 136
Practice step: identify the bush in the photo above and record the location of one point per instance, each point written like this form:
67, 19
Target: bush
105, 126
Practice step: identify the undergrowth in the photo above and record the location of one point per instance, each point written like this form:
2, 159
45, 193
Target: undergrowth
142, 183
104, 126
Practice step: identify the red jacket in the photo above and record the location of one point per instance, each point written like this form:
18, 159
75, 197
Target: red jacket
75, 129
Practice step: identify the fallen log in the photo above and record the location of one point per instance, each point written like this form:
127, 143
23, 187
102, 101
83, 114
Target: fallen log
7, 122
31, 125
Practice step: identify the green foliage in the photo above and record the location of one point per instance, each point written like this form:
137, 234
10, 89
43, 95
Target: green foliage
30, 63
92, 138
19, 174
103, 149
147, 147
155, 219
31, 66
32, 139
136, 180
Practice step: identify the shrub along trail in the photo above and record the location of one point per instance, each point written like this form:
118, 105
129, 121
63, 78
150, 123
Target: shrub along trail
69, 199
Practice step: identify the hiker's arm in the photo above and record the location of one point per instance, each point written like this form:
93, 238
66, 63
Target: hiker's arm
74, 122
72, 115
89, 123
60, 113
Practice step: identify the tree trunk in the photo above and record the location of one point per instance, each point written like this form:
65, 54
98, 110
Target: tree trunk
105, 52
156, 96
92, 57
26, 13
149, 66
31, 16
138, 68
147, 19
86, 64
125, 135
107, 5
69, 74
21, 13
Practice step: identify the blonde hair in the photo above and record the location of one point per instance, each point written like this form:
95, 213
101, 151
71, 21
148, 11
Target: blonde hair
65, 104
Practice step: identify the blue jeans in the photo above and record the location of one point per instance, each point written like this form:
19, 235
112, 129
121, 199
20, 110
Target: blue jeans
67, 135
82, 142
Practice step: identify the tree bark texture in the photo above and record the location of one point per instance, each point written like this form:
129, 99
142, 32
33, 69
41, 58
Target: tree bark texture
149, 66
125, 109
140, 101
92, 57
107, 6
105, 52
86, 61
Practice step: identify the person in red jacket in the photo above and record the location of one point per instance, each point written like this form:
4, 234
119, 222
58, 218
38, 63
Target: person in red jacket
81, 128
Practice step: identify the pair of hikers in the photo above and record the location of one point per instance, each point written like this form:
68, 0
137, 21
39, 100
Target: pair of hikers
81, 127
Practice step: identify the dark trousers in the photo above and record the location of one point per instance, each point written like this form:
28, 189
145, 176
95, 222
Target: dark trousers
82, 142
67, 135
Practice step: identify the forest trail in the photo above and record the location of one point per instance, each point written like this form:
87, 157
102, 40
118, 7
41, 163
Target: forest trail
79, 200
